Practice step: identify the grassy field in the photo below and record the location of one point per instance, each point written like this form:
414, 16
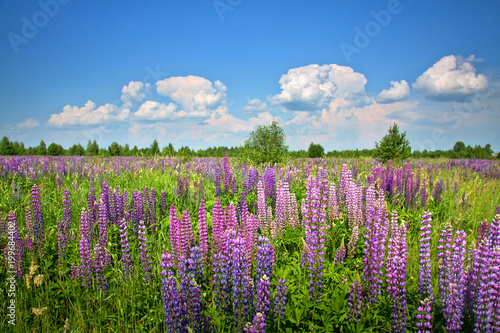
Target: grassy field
71, 276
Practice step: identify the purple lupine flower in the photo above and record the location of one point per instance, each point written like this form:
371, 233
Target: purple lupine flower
263, 295
125, 246
91, 205
38, 227
240, 283
424, 316
373, 256
280, 300
340, 254
425, 274
217, 182
172, 306
454, 284
314, 221
138, 210
163, 204
261, 208
333, 209
190, 295
143, 248
217, 224
293, 212
353, 241
356, 301
202, 227
84, 247
2, 224
444, 261
396, 274
228, 177
186, 236
195, 264
28, 241
221, 281
282, 203
264, 259
258, 324
174, 229
270, 184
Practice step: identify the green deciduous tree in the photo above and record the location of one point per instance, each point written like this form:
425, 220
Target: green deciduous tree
267, 144
315, 150
393, 145
55, 150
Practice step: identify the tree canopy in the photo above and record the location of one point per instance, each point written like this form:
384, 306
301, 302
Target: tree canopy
315, 150
394, 145
267, 144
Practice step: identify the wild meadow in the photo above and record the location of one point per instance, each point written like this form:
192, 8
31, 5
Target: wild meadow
128, 244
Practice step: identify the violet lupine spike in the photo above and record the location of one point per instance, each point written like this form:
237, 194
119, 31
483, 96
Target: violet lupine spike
424, 316
217, 224
263, 296
258, 324
84, 247
187, 238
264, 259
454, 306
333, 209
125, 249
425, 273
143, 248
174, 229
190, 295
353, 242
202, 227
91, 205
293, 212
373, 256
138, 209
340, 254
152, 209
217, 182
221, 278
2, 224
261, 208
280, 300
239, 283
163, 204
68, 216
195, 264
28, 241
356, 301
444, 262
38, 226
171, 301
396, 274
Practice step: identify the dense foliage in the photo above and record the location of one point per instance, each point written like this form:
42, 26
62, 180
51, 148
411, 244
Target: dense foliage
267, 144
315, 150
8, 148
165, 244
394, 145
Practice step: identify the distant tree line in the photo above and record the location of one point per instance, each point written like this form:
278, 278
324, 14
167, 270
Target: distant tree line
7, 147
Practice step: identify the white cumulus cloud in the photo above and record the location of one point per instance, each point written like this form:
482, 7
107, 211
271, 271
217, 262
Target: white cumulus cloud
152, 110
397, 92
451, 78
135, 91
87, 115
312, 87
256, 106
198, 96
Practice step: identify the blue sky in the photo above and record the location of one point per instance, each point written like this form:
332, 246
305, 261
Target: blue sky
207, 73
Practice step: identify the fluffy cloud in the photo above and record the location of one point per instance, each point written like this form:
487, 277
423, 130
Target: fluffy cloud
87, 115
451, 78
256, 106
312, 87
398, 92
151, 110
135, 91
198, 96
28, 124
